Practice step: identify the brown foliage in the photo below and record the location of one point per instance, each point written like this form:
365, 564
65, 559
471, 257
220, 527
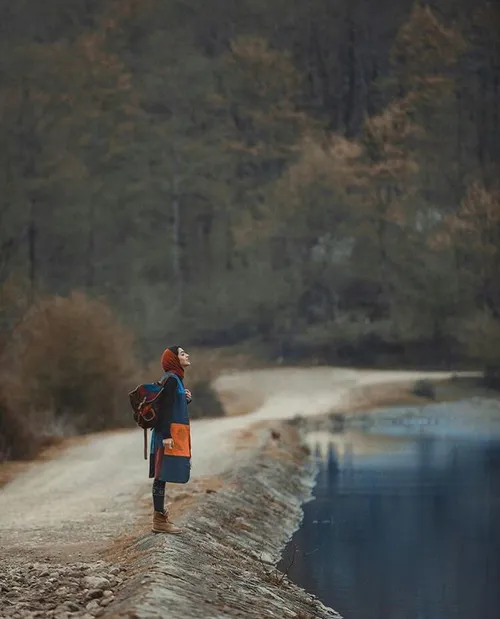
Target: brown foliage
424, 46
17, 442
69, 367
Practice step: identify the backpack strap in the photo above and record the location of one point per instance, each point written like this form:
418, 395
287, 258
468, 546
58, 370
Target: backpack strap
166, 376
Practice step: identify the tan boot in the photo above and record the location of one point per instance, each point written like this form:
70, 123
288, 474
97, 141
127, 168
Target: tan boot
161, 524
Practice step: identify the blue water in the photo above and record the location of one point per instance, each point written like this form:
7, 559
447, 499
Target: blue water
412, 532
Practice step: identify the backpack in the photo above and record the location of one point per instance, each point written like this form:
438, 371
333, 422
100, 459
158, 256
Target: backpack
143, 400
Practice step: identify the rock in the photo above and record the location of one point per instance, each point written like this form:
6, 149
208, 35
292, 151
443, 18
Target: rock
96, 582
107, 593
114, 571
106, 601
62, 591
61, 609
92, 607
72, 606
93, 594
425, 389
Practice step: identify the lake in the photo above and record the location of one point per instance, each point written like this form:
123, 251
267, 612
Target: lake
403, 525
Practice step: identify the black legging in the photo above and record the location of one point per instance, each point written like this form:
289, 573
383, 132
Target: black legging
159, 496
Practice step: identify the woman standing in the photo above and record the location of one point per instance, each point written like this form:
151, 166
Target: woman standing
170, 458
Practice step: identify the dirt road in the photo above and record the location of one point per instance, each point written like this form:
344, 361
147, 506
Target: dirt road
93, 491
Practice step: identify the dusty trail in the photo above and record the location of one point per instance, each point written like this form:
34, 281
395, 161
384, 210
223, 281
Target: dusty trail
75, 504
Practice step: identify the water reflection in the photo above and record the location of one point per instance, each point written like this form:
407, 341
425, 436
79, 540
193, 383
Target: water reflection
405, 529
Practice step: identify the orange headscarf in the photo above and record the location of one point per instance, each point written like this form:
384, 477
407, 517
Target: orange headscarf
170, 362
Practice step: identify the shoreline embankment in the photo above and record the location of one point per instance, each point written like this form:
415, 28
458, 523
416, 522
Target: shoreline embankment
223, 566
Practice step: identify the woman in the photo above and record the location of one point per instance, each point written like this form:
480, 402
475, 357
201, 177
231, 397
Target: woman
170, 458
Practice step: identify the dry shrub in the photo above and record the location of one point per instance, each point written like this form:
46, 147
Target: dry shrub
71, 364
207, 365
206, 402
14, 302
17, 442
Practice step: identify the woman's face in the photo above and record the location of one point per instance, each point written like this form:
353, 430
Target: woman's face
183, 358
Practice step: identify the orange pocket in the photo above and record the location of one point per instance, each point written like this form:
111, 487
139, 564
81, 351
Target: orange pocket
181, 436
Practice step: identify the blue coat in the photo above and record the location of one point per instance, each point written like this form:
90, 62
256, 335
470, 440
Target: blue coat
173, 465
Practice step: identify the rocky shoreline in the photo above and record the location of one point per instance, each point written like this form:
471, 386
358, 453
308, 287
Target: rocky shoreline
224, 564
43, 590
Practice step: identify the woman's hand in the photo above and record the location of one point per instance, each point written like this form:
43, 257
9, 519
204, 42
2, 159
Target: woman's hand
168, 443
189, 397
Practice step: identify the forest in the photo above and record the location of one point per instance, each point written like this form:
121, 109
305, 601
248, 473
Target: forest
318, 176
